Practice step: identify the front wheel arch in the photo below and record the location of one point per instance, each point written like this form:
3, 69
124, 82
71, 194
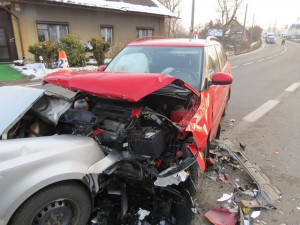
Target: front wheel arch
71, 186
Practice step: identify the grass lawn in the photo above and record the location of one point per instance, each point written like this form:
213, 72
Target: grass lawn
7, 73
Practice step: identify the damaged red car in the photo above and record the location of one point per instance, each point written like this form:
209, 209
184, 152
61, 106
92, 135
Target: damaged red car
152, 113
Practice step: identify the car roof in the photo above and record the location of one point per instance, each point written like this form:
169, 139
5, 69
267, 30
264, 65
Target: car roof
180, 42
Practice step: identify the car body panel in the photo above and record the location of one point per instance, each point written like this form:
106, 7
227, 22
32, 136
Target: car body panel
176, 42
22, 99
25, 166
127, 86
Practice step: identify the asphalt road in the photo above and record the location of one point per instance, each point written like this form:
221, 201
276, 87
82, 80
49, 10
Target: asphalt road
265, 103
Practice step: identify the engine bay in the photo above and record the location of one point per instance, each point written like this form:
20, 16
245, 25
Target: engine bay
147, 133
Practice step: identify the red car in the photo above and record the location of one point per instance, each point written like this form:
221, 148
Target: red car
153, 110
190, 79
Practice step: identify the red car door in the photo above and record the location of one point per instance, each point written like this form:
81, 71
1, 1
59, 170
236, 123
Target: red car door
216, 91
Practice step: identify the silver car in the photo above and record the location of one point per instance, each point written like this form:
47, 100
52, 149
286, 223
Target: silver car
93, 160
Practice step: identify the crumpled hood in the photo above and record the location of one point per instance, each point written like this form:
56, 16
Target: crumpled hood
129, 86
15, 101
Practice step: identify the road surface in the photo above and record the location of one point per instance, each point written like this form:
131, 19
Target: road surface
265, 103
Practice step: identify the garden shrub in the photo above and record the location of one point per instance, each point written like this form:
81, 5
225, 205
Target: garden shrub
98, 47
74, 49
47, 49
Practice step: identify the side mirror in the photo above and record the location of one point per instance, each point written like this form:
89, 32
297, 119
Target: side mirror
101, 68
221, 79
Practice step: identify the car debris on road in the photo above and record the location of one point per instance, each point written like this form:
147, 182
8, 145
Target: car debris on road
246, 201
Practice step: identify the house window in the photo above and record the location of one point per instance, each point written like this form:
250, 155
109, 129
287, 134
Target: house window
144, 32
51, 31
107, 34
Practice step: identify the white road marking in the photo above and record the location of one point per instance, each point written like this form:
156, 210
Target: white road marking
260, 111
260, 60
233, 67
245, 64
285, 49
292, 87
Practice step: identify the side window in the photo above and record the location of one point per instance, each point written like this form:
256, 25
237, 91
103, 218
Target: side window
51, 31
213, 61
107, 33
144, 32
222, 55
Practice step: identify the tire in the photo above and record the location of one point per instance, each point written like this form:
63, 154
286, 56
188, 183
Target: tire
195, 176
226, 106
67, 202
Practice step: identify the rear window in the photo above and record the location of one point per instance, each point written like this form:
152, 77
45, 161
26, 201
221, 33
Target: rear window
181, 62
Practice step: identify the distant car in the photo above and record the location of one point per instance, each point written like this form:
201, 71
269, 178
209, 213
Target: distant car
270, 39
142, 126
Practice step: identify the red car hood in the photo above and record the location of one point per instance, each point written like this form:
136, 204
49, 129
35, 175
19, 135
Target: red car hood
117, 85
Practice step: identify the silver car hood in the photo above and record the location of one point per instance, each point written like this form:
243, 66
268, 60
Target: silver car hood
15, 101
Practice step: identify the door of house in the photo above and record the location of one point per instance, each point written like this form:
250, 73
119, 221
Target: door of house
8, 51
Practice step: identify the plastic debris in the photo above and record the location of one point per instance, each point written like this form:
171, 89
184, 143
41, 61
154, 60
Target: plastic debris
298, 208
255, 214
225, 197
223, 178
232, 120
276, 151
250, 193
219, 216
143, 213
246, 220
194, 210
245, 209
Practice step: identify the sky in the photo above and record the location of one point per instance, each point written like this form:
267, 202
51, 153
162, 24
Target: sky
266, 13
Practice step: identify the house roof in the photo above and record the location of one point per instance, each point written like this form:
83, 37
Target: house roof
153, 7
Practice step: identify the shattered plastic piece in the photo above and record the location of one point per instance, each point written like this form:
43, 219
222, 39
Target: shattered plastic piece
172, 179
231, 124
245, 209
232, 120
250, 193
143, 213
234, 209
194, 210
223, 178
225, 197
277, 151
298, 208
219, 216
255, 214
246, 220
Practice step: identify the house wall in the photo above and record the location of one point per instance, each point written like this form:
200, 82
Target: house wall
84, 23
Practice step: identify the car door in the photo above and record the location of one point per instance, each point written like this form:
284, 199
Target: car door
217, 91
226, 68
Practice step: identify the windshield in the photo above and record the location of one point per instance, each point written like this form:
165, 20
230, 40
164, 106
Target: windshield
181, 62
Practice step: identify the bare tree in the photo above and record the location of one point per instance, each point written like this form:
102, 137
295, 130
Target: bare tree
173, 27
228, 10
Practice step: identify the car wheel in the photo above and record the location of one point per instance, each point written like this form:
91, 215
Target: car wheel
195, 175
63, 203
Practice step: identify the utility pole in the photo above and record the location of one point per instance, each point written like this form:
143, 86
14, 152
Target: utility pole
244, 31
192, 20
252, 27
